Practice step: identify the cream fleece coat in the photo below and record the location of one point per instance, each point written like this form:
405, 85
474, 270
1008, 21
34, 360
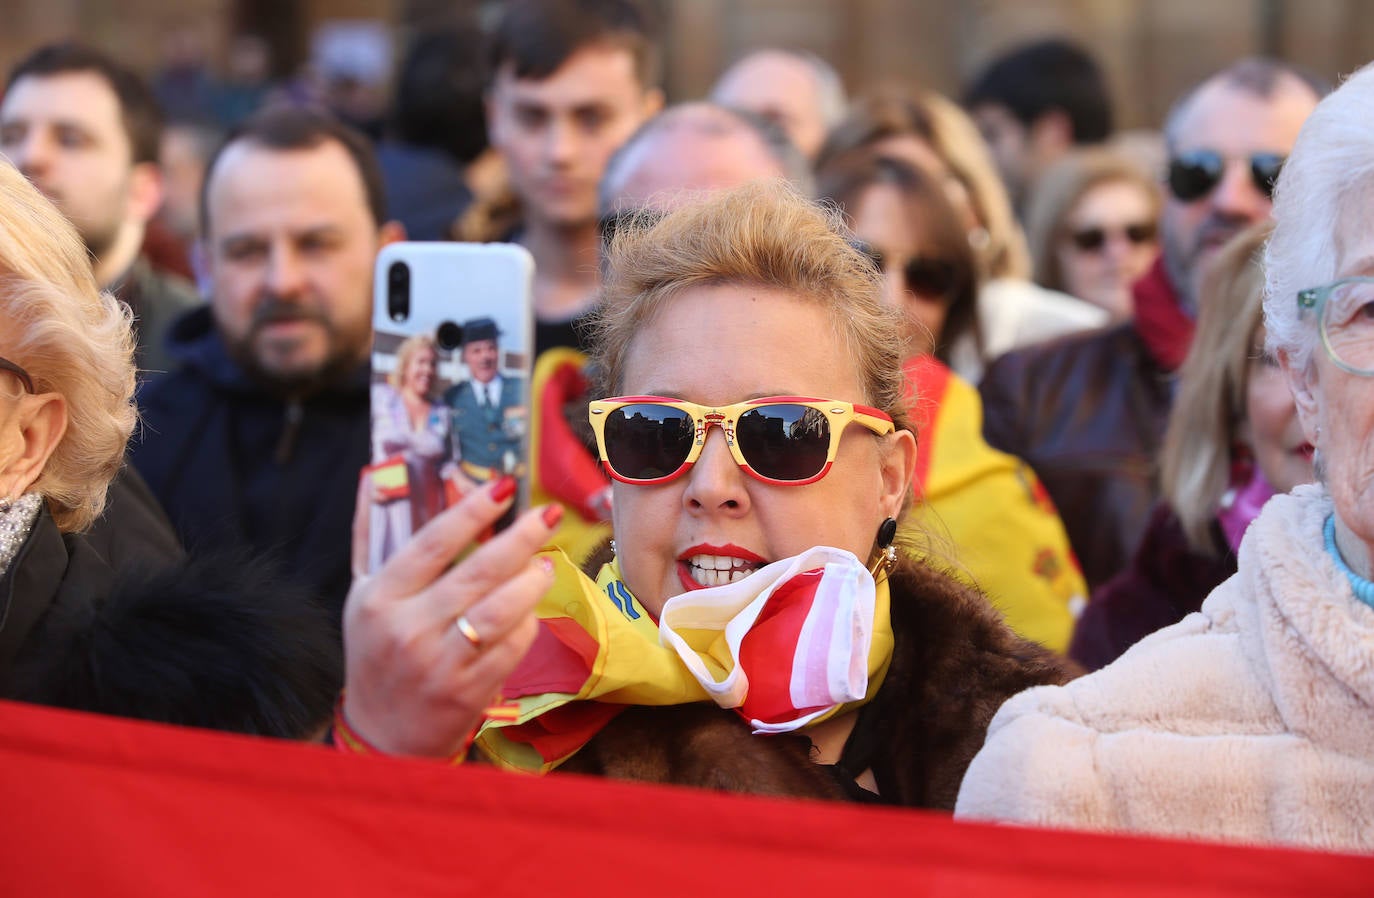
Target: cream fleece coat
1251, 720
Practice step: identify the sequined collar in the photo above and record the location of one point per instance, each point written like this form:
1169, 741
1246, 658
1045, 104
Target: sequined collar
16, 520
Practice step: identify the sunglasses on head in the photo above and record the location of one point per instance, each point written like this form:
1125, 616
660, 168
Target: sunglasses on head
1194, 174
788, 440
1091, 240
923, 275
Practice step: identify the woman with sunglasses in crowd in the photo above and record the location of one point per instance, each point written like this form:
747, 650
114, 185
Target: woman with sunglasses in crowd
1252, 719
1233, 441
1002, 530
1093, 225
934, 135
755, 628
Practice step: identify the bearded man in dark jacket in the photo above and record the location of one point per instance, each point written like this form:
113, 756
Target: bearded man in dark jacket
257, 438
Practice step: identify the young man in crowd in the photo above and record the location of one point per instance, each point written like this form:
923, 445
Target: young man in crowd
1088, 411
85, 130
799, 92
256, 439
1034, 105
570, 81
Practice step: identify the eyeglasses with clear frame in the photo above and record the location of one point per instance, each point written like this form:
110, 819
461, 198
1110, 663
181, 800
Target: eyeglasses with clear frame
23, 376
1345, 317
783, 440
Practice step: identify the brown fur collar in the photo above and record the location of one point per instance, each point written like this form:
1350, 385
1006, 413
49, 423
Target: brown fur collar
953, 665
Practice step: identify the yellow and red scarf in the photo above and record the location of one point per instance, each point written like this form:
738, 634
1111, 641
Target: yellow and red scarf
798, 642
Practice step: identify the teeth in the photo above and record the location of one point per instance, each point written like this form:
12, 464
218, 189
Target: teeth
717, 570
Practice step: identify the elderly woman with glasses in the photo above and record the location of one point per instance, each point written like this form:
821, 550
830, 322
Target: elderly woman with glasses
95, 613
1252, 719
756, 628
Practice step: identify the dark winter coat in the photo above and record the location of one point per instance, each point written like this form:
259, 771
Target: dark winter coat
216, 642
236, 466
1166, 581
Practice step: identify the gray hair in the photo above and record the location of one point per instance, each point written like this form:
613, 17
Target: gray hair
772, 137
830, 94
829, 87
1260, 76
1331, 166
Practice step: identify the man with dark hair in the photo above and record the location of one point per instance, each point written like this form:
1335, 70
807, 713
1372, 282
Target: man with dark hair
438, 127
487, 409
570, 81
1088, 411
1036, 103
85, 130
257, 438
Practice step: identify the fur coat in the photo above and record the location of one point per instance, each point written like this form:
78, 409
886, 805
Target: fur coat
954, 663
107, 623
1251, 720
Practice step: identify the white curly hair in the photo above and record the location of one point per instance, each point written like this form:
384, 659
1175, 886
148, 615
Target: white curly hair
1331, 167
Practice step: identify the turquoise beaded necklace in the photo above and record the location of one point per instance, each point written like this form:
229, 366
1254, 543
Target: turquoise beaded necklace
1364, 589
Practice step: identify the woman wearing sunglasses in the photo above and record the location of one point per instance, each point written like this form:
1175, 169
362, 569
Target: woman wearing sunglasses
1252, 719
932, 134
755, 628
1092, 224
1003, 532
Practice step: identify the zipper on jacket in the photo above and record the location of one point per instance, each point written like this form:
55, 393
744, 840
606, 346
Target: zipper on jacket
292, 428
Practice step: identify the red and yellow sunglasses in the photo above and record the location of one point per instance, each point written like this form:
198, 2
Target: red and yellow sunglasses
787, 440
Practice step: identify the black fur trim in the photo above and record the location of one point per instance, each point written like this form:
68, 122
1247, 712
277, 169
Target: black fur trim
218, 642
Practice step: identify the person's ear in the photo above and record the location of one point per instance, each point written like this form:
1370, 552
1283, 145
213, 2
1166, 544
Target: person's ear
496, 127
42, 423
1303, 382
898, 467
1051, 135
391, 232
653, 103
145, 191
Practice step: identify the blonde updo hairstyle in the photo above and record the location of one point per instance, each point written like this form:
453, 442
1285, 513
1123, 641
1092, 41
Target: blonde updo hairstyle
763, 234
405, 352
953, 137
73, 340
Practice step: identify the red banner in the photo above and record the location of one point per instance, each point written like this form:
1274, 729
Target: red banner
99, 806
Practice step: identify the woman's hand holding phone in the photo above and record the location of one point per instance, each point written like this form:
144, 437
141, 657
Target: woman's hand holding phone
427, 642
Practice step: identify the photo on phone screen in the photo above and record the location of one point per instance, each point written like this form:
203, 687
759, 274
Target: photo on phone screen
452, 348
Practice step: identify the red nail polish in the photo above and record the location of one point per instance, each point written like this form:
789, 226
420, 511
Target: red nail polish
552, 514
504, 489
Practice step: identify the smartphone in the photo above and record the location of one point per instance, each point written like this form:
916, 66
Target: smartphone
451, 355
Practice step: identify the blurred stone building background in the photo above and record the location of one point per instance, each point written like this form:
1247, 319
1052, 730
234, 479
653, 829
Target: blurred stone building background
1150, 48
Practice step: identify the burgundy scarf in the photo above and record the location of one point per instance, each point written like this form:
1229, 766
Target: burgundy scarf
1163, 325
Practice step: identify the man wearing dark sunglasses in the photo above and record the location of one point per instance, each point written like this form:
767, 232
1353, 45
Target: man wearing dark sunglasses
1088, 411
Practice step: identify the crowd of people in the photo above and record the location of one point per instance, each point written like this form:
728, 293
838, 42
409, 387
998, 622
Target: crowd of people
1039, 487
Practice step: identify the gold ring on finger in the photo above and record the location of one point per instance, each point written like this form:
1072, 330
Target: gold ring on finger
464, 626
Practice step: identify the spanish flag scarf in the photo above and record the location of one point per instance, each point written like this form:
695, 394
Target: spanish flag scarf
797, 642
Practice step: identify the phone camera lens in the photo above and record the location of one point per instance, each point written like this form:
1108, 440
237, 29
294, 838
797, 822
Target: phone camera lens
449, 336
398, 291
